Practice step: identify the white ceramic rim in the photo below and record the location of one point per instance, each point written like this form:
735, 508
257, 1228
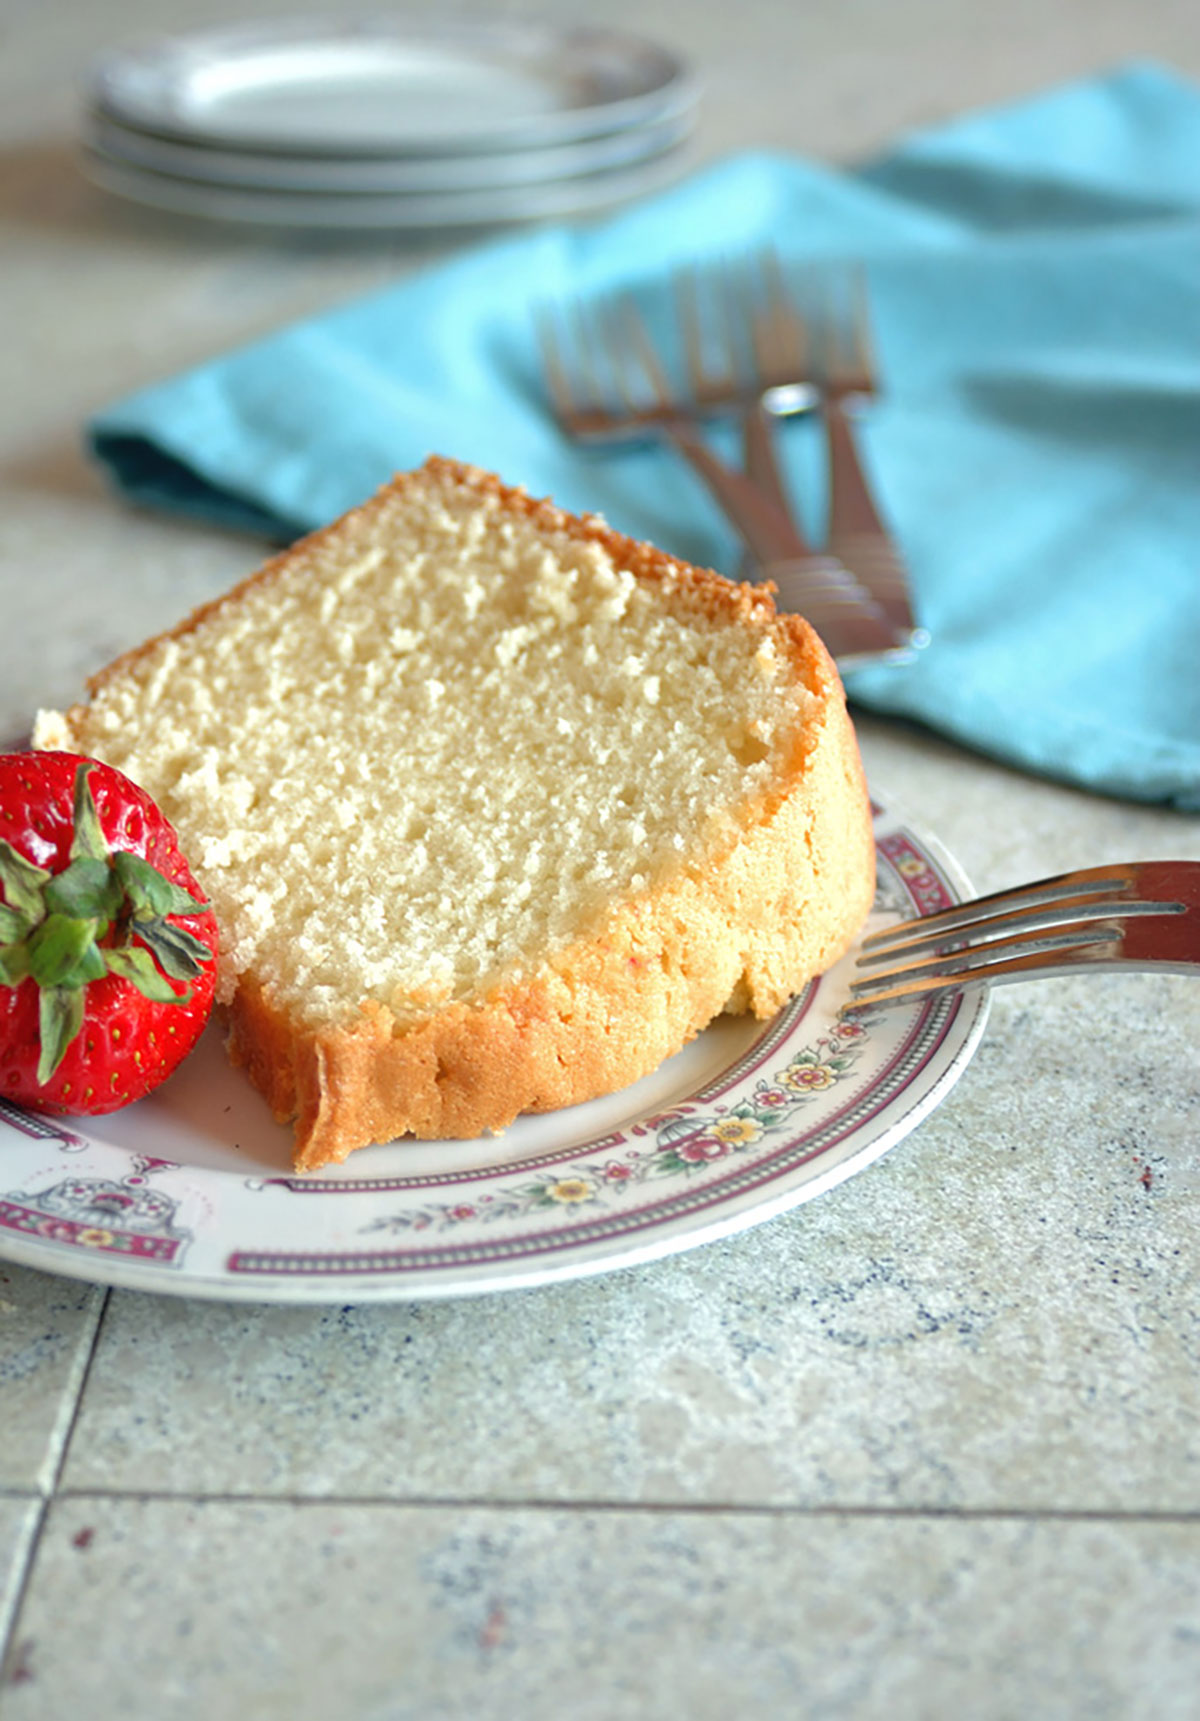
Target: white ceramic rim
449, 175
397, 213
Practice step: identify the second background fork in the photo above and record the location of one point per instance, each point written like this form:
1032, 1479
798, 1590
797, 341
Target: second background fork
804, 341
611, 381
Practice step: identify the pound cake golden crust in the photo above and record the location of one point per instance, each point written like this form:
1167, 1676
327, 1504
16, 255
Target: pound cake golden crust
496, 808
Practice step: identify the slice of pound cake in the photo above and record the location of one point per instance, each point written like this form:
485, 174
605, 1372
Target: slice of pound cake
496, 808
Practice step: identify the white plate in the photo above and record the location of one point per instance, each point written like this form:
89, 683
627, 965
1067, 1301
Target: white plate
396, 212
190, 1190
390, 87
372, 174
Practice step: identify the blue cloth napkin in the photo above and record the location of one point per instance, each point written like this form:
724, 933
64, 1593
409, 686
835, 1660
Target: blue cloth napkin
1034, 275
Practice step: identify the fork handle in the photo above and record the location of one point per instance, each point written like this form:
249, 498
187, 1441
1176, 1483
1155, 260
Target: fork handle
759, 458
853, 626
857, 536
761, 520
838, 604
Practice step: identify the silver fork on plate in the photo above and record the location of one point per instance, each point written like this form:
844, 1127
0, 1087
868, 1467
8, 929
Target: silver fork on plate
608, 383
1135, 915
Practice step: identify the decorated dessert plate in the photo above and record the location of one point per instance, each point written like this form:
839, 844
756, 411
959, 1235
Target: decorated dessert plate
191, 1191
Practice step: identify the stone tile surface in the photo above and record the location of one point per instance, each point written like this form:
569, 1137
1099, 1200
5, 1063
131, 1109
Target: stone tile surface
46, 1329
19, 1516
1002, 1312
284, 1612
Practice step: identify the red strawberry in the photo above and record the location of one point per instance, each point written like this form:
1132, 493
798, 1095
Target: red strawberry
107, 950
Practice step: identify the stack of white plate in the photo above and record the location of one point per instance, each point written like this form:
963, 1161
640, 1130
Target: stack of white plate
393, 124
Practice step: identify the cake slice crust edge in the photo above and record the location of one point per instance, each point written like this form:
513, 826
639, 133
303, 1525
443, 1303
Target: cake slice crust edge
748, 931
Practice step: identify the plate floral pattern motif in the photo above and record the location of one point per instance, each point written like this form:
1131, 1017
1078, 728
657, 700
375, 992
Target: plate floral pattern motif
677, 1144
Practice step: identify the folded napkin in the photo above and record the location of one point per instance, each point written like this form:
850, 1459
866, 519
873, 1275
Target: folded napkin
1034, 276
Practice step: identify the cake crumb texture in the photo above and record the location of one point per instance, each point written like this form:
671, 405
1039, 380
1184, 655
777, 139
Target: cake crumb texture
495, 808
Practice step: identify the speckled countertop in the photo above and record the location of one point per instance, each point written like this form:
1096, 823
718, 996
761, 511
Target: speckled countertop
928, 1447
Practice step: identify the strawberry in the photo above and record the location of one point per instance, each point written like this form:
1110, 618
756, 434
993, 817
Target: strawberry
107, 950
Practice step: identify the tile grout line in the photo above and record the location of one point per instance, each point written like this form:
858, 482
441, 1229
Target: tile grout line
12, 1594
651, 1508
59, 1442
13, 1600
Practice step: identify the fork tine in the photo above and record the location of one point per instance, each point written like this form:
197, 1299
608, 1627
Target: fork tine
1105, 890
813, 286
744, 309
844, 327
1026, 919
553, 363
1020, 925
630, 345
1095, 945
748, 322
598, 355
1103, 917
788, 332
747, 329
859, 342
791, 365
968, 958
687, 299
711, 369
571, 350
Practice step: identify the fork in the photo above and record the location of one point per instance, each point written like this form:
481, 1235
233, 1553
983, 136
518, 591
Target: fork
1139, 914
607, 383
816, 358
763, 356
844, 370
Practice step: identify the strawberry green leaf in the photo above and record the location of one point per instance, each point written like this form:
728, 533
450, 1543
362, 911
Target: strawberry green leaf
63, 953
87, 890
60, 1017
179, 951
148, 892
13, 926
88, 839
137, 966
14, 964
23, 883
